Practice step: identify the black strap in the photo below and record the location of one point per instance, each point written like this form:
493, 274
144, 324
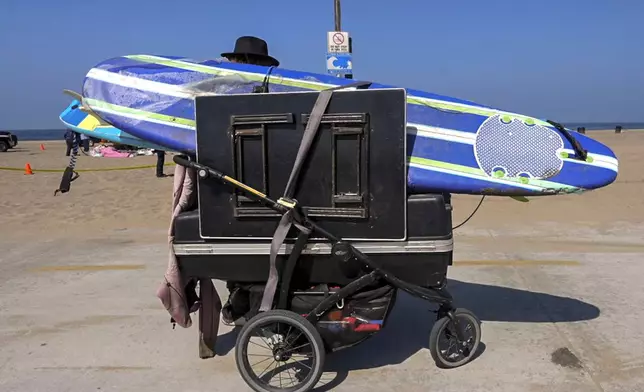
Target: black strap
289, 218
287, 272
580, 153
358, 84
279, 236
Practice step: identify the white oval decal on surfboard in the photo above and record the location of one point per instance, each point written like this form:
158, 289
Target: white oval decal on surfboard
508, 147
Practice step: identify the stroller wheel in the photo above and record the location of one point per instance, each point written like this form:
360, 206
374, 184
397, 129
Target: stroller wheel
448, 351
280, 350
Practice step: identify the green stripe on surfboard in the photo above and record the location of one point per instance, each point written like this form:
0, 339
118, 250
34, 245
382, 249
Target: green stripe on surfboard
471, 110
170, 120
321, 86
455, 169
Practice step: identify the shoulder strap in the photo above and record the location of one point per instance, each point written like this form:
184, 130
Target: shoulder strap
289, 219
319, 108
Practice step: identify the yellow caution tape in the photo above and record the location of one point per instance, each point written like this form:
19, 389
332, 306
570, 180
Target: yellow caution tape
85, 170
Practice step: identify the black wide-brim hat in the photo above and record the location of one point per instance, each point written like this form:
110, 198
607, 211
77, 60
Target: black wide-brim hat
252, 46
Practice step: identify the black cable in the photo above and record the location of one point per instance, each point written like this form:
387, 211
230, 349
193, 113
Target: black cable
471, 215
264, 87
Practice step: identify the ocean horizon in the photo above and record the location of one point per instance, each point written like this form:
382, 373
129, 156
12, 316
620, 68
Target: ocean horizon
58, 134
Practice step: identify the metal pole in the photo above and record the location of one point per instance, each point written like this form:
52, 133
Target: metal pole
337, 16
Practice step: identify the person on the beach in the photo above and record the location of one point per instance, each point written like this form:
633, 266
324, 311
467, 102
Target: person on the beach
84, 142
248, 50
69, 139
79, 142
160, 162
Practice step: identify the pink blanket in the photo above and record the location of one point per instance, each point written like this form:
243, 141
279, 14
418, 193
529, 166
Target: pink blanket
111, 152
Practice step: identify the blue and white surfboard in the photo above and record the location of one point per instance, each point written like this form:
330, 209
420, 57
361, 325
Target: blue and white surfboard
454, 145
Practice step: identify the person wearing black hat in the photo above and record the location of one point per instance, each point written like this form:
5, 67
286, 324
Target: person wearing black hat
248, 50
251, 50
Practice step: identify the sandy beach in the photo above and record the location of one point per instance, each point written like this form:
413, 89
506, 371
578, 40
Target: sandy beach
556, 282
101, 201
105, 201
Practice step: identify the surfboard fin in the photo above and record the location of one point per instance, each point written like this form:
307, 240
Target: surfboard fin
522, 199
73, 94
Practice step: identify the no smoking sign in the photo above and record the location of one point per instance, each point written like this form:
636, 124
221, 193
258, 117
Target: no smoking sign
337, 42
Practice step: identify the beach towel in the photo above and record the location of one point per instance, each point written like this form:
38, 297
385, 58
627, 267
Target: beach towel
176, 294
111, 152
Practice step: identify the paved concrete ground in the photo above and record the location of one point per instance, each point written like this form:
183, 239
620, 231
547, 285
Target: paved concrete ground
555, 320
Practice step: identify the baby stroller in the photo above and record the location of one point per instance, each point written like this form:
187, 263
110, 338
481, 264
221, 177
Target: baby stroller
327, 277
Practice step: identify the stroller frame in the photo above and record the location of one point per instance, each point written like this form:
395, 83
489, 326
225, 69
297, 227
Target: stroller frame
447, 315
364, 272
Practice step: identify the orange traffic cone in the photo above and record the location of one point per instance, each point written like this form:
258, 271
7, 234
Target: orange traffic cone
28, 169
42, 147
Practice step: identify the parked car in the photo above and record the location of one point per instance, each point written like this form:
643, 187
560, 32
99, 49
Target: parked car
7, 140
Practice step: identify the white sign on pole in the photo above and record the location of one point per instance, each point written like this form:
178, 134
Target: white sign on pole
337, 42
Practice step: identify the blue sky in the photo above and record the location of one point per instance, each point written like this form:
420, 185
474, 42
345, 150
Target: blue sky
568, 60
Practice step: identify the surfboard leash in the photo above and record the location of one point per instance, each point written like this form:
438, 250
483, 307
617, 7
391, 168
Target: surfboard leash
72, 159
69, 174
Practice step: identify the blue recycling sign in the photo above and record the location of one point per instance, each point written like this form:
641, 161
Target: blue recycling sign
339, 63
